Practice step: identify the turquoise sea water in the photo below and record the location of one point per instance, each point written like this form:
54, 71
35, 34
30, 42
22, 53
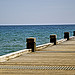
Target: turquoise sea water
13, 38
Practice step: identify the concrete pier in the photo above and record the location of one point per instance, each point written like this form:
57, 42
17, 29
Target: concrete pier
52, 60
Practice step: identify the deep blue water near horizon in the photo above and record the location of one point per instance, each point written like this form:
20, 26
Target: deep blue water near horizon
13, 38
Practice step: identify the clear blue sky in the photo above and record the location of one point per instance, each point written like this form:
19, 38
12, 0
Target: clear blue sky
37, 11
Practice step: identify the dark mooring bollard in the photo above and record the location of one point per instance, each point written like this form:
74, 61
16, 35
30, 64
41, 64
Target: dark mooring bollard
73, 33
66, 35
31, 43
53, 39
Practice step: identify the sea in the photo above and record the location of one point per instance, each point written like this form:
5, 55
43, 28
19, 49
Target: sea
13, 37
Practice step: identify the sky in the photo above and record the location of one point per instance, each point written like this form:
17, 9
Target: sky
37, 11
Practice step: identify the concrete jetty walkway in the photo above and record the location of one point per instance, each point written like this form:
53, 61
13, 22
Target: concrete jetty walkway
53, 60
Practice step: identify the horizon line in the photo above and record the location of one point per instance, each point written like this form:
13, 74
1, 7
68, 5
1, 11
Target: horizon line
41, 24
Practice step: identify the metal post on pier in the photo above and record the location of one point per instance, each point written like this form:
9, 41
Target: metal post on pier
66, 35
53, 39
73, 33
31, 44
